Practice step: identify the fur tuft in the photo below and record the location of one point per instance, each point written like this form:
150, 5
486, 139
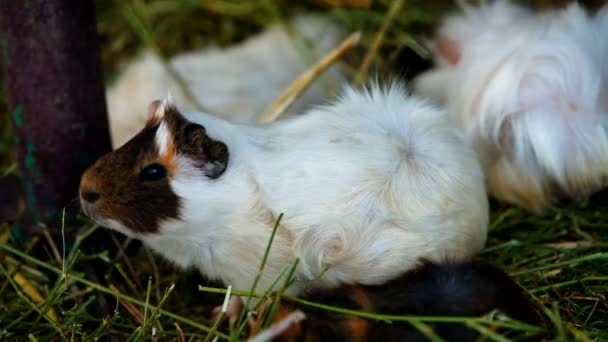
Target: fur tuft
529, 91
167, 102
164, 139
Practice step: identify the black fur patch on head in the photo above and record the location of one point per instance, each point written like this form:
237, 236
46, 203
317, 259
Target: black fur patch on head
191, 139
139, 205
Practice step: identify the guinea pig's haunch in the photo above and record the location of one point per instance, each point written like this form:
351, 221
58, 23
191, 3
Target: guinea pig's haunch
530, 91
367, 185
469, 289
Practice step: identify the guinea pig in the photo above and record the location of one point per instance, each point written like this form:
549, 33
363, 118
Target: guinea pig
470, 289
530, 91
236, 82
367, 185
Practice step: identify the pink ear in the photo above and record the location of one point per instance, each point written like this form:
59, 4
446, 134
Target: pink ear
447, 49
153, 109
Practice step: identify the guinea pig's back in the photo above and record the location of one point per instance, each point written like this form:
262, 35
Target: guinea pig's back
387, 181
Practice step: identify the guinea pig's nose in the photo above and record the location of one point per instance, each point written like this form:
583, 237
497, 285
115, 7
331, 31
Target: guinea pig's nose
90, 196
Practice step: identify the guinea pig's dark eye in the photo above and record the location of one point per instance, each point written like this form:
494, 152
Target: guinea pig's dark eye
153, 172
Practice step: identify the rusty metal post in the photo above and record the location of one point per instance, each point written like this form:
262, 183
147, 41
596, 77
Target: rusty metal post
49, 54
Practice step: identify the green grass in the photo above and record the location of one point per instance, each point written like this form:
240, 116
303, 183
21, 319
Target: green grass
560, 257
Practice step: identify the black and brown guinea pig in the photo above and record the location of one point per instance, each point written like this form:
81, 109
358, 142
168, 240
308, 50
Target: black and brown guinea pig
470, 289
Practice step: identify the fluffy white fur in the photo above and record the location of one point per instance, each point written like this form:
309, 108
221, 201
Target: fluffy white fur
530, 91
237, 82
368, 186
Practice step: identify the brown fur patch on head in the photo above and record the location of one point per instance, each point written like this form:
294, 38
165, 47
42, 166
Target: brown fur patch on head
139, 205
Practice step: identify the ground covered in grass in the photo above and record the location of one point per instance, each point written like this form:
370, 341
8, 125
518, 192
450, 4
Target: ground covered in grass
80, 282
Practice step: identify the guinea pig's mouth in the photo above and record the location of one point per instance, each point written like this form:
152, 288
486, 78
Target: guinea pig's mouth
102, 221
91, 213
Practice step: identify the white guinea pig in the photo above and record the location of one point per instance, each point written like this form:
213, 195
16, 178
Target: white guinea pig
368, 186
236, 83
530, 91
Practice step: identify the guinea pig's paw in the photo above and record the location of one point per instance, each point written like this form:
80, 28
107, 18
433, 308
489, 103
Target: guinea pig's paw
285, 325
231, 310
255, 322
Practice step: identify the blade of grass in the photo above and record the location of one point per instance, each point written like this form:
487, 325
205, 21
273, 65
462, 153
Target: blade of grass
568, 283
131, 309
274, 307
560, 264
144, 32
33, 293
26, 286
156, 310
556, 319
426, 331
243, 316
104, 289
221, 316
485, 332
302, 82
513, 324
31, 303
373, 49
147, 299
79, 239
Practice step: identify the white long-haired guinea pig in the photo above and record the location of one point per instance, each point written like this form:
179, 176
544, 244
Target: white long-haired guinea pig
236, 82
531, 92
368, 186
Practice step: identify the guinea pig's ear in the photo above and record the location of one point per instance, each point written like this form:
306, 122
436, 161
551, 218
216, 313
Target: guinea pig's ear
155, 110
211, 155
